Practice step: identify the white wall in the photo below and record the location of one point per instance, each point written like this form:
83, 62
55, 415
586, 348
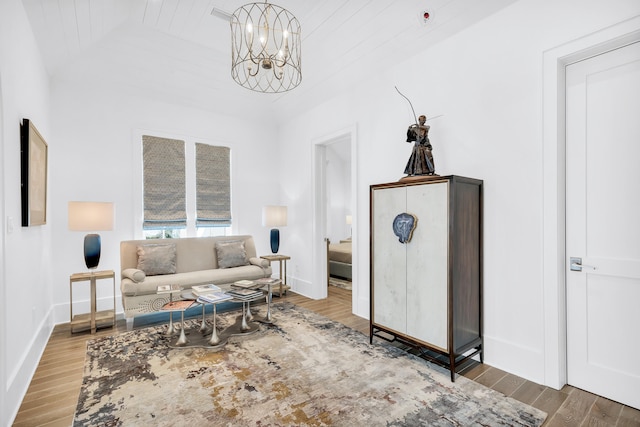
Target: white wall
487, 83
25, 295
98, 131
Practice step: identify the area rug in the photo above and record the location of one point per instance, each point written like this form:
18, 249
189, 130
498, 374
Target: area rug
340, 283
304, 370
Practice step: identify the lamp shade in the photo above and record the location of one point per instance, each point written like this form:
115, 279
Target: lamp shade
90, 216
274, 216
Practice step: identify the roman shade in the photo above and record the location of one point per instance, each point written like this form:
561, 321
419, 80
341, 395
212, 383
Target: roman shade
213, 186
164, 183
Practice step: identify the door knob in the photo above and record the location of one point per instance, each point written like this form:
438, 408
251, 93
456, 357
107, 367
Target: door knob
577, 265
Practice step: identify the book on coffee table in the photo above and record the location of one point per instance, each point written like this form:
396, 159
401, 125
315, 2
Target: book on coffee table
244, 293
178, 305
213, 297
165, 289
244, 284
199, 290
267, 281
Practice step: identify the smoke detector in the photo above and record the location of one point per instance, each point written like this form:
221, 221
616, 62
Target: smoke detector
423, 16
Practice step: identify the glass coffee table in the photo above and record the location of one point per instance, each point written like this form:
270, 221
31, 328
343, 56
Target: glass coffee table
209, 336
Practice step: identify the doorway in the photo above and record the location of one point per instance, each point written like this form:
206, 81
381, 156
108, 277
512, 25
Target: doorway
335, 199
555, 257
3, 278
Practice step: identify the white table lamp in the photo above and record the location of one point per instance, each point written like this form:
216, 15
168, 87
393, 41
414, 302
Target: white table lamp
274, 216
91, 216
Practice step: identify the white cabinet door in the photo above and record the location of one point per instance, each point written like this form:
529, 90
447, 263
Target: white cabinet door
427, 264
389, 268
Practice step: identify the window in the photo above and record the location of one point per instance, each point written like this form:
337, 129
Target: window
186, 188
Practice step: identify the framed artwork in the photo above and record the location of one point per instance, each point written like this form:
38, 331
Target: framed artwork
33, 162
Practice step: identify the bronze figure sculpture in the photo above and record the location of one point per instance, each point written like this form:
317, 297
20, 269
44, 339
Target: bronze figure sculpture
421, 159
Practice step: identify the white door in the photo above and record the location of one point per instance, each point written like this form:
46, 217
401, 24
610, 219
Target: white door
603, 224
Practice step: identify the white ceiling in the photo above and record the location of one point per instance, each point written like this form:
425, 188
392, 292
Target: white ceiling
175, 50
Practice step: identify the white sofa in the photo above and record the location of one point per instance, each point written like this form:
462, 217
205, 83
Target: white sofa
147, 264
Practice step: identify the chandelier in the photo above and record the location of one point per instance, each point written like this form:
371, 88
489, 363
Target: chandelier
265, 48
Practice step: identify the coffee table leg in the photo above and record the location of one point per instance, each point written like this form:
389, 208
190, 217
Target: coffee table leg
183, 337
245, 325
268, 318
203, 326
249, 315
171, 330
214, 340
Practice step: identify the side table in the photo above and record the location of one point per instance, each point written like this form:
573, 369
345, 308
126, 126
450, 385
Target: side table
281, 259
95, 319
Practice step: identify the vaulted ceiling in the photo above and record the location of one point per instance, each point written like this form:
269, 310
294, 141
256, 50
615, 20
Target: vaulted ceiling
176, 51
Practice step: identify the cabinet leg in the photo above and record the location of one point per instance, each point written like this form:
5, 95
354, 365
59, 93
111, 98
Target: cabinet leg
452, 367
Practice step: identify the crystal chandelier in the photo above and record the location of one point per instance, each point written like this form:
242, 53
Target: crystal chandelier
265, 48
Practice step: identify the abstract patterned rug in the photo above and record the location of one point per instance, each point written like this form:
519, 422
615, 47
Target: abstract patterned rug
305, 370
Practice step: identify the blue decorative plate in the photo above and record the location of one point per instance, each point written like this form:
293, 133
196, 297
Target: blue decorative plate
403, 226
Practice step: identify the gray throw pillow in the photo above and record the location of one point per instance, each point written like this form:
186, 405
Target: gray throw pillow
157, 259
231, 254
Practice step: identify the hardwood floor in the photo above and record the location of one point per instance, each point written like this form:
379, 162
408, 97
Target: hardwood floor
52, 396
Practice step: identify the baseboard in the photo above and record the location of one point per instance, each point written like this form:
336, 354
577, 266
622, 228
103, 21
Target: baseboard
363, 309
303, 287
523, 361
19, 379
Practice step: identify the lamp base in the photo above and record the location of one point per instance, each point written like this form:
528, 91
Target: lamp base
92, 250
275, 240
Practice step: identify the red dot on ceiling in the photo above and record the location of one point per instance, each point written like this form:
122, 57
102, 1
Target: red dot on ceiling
426, 15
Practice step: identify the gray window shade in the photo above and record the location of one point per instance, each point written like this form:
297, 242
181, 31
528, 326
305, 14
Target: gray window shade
164, 183
213, 186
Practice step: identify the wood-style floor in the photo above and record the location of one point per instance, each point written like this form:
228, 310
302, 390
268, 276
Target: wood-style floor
52, 396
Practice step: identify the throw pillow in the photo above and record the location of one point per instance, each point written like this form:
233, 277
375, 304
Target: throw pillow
231, 254
157, 259
134, 274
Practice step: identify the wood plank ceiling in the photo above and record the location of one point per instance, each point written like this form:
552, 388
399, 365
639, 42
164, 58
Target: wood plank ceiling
176, 51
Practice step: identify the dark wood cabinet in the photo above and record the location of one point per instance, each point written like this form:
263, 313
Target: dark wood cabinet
427, 292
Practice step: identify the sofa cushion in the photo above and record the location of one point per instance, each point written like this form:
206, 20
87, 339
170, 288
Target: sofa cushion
134, 274
222, 277
155, 259
231, 254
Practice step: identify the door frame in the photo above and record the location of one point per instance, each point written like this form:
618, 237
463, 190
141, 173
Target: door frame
554, 186
3, 274
319, 145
